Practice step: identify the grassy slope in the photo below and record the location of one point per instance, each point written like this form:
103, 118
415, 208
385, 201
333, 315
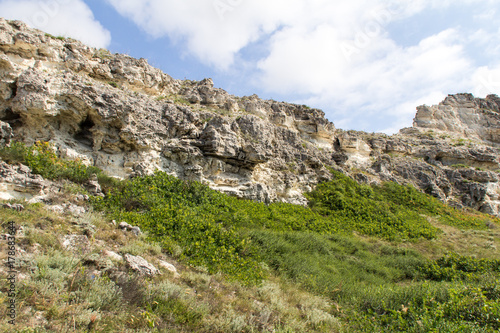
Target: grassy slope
375, 257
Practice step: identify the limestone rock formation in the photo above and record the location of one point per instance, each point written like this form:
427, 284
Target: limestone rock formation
464, 115
17, 182
128, 118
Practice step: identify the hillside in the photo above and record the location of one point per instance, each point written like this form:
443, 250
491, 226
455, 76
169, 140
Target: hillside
134, 202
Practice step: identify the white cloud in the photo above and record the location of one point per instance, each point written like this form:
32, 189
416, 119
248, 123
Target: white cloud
381, 77
486, 80
69, 18
213, 30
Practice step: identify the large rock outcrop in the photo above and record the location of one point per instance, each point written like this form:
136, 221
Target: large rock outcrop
128, 118
464, 115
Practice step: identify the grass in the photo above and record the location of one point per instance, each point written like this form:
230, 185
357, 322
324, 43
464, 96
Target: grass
54, 37
359, 258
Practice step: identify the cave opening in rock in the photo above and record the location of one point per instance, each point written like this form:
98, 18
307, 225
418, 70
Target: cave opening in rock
84, 133
10, 117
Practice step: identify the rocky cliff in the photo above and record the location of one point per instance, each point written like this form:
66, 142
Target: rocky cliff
128, 118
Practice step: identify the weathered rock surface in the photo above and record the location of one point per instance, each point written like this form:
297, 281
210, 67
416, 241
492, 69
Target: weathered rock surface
78, 244
169, 267
17, 182
140, 265
464, 115
130, 119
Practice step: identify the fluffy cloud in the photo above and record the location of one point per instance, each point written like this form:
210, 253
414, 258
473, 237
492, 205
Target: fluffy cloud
70, 18
372, 90
214, 30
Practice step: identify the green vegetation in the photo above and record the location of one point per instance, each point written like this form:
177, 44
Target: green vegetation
113, 84
103, 54
460, 166
42, 160
54, 37
356, 250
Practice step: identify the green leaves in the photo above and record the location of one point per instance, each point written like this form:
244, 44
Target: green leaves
42, 160
374, 211
189, 215
456, 267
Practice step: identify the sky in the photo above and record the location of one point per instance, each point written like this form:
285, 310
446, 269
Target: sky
366, 63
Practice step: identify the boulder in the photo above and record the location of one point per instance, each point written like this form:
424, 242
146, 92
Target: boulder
140, 265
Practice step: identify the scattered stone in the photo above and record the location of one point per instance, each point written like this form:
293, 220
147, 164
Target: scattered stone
76, 210
55, 208
94, 187
127, 227
136, 231
169, 267
78, 244
140, 265
17, 207
112, 255
39, 199
17, 182
36, 248
124, 226
21, 232
82, 197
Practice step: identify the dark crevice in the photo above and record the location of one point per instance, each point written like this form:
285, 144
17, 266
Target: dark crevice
84, 134
13, 88
12, 118
8, 115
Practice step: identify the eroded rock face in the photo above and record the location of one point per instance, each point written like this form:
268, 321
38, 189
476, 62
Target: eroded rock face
461, 172
17, 182
130, 119
464, 115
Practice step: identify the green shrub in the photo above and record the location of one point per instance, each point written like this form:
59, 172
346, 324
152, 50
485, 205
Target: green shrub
189, 214
42, 160
375, 211
390, 210
456, 267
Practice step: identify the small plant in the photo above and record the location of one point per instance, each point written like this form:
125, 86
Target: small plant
54, 37
460, 142
103, 54
459, 166
113, 84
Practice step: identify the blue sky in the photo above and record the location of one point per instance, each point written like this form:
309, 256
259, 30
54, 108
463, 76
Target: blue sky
366, 63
